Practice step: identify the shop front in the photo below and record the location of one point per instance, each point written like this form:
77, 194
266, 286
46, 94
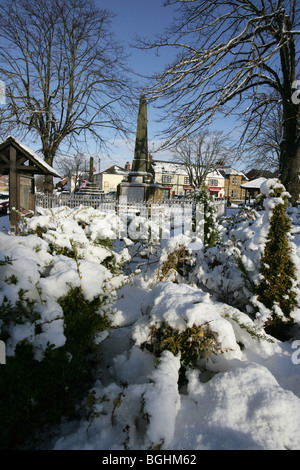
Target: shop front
168, 191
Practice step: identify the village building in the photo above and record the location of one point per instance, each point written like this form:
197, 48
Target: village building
234, 179
175, 180
109, 179
223, 182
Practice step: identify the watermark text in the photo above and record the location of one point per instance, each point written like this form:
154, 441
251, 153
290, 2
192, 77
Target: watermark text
296, 93
296, 354
2, 353
2, 92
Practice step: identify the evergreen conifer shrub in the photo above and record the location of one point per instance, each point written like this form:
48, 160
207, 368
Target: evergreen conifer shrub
210, 225
277, 287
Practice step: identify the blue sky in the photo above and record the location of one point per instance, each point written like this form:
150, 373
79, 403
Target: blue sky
143, 18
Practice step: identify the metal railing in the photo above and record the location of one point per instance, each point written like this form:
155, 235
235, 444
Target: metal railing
49, 201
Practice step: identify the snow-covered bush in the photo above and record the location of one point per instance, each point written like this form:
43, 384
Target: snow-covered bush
162, 365
54, 314
217, 268
210, 225
176, 259
91, 231
277, 288
185, 321
253, 267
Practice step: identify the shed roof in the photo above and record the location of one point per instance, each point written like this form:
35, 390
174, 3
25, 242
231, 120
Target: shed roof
27, 160
254, 184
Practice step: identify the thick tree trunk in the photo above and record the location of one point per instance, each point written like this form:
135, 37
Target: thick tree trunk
48, 184
48, 180
289, 169
290, 151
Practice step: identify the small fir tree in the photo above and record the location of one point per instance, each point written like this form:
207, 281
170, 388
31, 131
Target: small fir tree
210, 230
276, 289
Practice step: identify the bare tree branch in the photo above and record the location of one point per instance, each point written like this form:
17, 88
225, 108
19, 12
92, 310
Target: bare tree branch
64, 72
227, 52
202, 154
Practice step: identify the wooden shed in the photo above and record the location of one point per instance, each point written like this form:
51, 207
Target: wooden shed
252, 188
21, 164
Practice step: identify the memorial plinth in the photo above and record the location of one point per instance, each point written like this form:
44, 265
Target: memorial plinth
140, 185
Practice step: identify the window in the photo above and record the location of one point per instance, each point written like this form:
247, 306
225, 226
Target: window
166, 179
213, 183
186, 180
234, 180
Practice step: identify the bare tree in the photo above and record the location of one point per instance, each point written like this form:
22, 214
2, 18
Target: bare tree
75, 167
228, 53
263, 133
201, 154
64, 72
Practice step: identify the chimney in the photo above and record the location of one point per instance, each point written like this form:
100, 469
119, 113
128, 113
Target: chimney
127, 166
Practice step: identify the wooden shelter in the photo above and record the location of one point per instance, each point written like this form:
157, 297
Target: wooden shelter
252, 188
21, 164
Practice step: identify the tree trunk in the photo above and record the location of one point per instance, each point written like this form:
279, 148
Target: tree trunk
48, 180
289, 165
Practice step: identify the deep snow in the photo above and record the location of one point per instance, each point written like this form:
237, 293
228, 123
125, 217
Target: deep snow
244, 398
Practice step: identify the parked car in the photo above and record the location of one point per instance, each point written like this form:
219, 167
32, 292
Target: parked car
111, 195
4, 202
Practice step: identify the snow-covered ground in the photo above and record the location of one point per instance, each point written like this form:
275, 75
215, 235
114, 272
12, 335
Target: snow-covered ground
245, 397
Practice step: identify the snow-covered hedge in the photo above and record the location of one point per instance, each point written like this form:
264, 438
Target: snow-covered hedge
172, 355
235, 269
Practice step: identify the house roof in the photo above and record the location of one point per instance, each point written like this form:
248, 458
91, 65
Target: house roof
259, 173
116, 170
28, 160
228, 171
175, 168
254, 184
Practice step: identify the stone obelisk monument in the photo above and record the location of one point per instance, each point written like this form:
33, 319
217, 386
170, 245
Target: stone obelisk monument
140, 184
91, 189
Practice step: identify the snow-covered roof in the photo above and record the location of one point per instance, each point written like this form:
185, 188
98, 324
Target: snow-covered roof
169, 167
174, 168
215, 174
47, 168
233, 172
116, 170
255, 184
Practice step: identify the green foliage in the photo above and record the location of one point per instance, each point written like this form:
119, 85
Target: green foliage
278, 270
32, 393
62, 250
211, 234
194, 343
22, 311
105, 242
82, 322
7, 260
178, 260
39, 231
36, 393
